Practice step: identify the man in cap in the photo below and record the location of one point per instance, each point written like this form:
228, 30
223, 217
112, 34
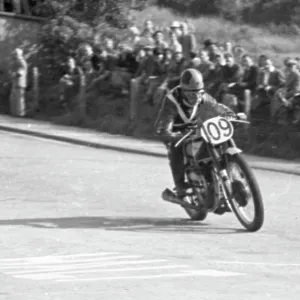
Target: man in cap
175, 27
187, 40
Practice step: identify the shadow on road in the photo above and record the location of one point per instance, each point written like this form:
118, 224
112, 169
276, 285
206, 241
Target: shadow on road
123, 224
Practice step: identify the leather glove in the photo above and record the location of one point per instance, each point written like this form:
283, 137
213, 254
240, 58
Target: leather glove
241, 116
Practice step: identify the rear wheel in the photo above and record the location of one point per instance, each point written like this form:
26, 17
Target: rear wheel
246, 201
194, 194
196, 214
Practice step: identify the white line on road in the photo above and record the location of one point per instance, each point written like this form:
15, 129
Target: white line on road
89, 266
258, 263
210, 273
52, 263
56, 275
41, 258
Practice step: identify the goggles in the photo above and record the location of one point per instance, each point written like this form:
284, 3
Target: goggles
194, 96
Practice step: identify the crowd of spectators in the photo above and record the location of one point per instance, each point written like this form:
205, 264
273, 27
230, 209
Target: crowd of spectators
149, 62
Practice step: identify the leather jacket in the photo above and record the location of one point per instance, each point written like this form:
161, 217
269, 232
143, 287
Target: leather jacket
175, 115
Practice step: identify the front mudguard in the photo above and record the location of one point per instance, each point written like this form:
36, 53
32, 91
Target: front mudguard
233, 150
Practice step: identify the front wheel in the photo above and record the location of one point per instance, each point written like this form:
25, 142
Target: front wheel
246, 194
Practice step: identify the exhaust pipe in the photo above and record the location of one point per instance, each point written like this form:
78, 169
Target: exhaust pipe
169, 196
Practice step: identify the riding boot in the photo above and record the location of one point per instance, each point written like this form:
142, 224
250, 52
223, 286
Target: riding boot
176, 159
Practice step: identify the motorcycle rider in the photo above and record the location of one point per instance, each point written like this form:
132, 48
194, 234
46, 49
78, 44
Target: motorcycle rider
182, 107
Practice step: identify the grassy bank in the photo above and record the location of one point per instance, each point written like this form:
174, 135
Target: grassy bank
255, 40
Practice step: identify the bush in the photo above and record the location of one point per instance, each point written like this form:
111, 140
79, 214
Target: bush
70, 25
190, 7
250, 11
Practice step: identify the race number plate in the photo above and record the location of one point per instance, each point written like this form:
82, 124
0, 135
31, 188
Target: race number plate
217, 130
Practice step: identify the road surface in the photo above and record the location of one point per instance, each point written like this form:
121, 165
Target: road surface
80, 223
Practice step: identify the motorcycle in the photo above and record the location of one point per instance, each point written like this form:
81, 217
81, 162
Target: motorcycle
219, 179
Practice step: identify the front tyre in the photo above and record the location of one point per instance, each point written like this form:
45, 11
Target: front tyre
240, 172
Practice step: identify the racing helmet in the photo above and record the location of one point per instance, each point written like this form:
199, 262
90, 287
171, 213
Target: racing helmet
191, 83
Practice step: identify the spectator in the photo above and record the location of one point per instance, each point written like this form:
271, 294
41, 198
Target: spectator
174, 43
168, 56
167, 61
286, 99
194, 61
109, 47
206, 67
187, 41
96, 60
19, 71
140, 56
261, 61
148, 30
212, 49
104, 75
177, 66
269, 82
175, 27
228, 47
84, 52
68, 84
127, 59
141, 79
231, 71
134, 38
157, 75
145, 67
126, 68
216, 76
159, 42
249, 79
243, 90
89, 72
232, 74
238, 53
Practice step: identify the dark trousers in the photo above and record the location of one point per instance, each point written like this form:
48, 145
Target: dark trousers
176, 160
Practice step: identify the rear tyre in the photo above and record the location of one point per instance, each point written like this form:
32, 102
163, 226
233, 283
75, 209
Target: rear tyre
196, 215
196, 193
237, 161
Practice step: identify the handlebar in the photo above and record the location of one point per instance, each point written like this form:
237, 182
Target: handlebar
185, 137
190, 132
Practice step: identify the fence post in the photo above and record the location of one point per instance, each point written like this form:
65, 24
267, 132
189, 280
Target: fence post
81, 103
134, 89
247, 101
36, 88
17, 102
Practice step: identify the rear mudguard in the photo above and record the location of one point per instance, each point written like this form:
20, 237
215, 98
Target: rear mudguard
233, 150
